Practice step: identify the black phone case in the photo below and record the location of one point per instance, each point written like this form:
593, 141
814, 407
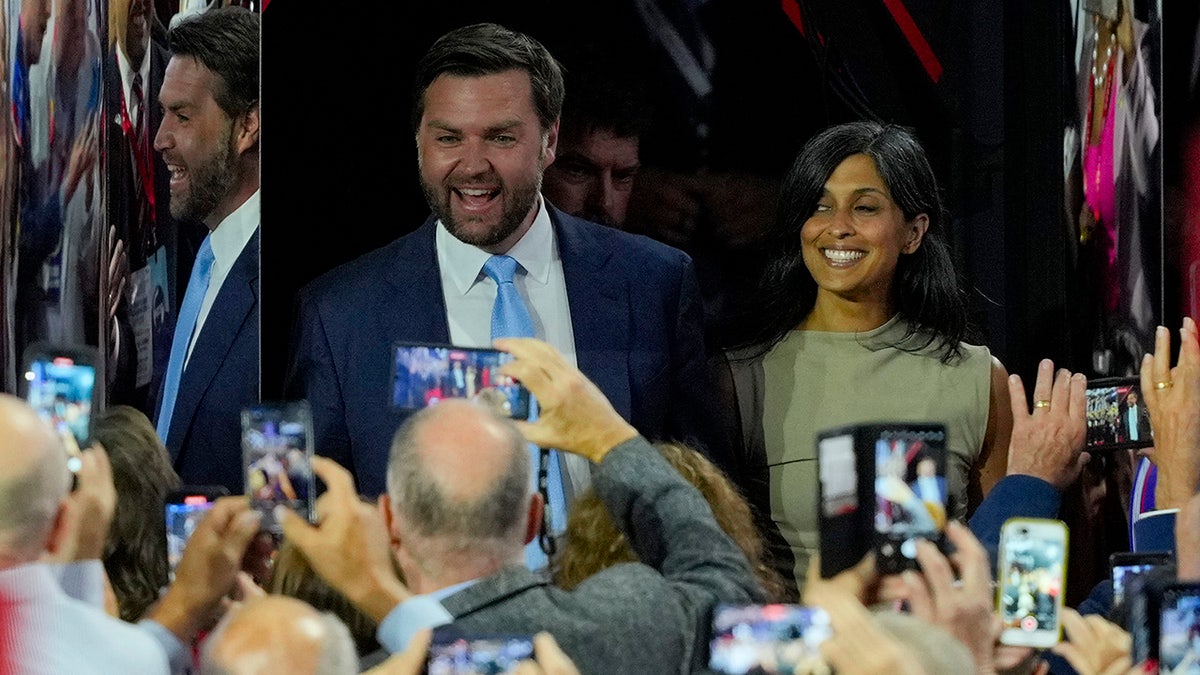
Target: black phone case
1107, 424
848, 534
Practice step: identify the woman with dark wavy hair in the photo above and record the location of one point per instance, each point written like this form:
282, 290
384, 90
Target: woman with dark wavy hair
135, 556
593, 542
861, 318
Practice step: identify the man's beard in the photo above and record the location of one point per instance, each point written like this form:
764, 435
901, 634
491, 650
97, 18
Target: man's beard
515, 211
209, 183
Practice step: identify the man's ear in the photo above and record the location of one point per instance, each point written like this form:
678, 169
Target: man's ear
246, 129
384, 504
534, 525
60, 534
916, 232
551, 144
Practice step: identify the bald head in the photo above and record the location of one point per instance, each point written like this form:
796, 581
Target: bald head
460, 473
279, 634
34, 481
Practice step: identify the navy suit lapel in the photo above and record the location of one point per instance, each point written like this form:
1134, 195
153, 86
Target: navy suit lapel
598, 294
417, 283
233, 307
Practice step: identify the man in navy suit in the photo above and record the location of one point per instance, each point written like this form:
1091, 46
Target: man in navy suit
623, 308
209, 139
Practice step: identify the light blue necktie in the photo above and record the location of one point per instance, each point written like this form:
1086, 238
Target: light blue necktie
189, 311
510, 318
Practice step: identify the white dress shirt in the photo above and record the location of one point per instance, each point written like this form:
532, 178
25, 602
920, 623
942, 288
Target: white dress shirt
470, 295
228, 241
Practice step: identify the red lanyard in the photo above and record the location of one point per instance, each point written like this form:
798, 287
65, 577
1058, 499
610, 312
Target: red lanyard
141, 156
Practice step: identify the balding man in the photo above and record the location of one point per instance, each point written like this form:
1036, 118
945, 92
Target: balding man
279, 634
459, 510
50, 632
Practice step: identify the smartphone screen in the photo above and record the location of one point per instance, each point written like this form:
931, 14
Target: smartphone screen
1032, 573
1117, 417
478, 654
60, 382
1126, 565
910, 493
184, 508
277, 455
1179, 629
767, 638
1143, 598
424, 374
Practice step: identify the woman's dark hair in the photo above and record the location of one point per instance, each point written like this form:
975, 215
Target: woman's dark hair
135, 555
487, 49
926, 285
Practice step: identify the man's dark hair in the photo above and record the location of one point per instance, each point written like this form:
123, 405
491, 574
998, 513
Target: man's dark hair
226, 41
487, 49
601, 96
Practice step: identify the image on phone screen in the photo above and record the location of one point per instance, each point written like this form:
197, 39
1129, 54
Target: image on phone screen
422, 375
768, 638
478, 654
277, 453
60, 387
1117, 417
1127, 565
1031, 568
910, 493
183, 511
1179, 630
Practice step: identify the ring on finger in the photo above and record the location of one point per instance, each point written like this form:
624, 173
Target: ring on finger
1042, 403
1163, 384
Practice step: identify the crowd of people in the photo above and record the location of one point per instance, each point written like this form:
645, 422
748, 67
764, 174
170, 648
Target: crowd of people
657, 479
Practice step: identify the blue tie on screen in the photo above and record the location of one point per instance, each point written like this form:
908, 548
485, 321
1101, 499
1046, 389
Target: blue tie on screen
189, 311
510, 318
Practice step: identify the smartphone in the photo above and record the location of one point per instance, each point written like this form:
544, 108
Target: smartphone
60, 383
1032, 570
768, 638
910, 493
461, 655
883, 487
184, 508
1126, 565
1179, 629
277, 452
423, 374
1117, 417
1143, 602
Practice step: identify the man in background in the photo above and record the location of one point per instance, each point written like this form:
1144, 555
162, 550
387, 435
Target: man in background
604, 115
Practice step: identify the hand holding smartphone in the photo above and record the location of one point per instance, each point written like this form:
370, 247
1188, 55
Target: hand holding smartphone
277, 452
183, 510
1032, 577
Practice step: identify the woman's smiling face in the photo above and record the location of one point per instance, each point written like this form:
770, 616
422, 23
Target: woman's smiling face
854, 238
